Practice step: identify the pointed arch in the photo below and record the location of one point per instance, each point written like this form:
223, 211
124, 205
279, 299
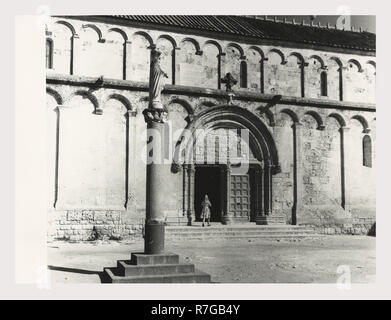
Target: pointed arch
55, 95
363, 122
96, 29
125, 101
318, 119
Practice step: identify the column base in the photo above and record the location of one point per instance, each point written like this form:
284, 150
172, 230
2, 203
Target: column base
270, 219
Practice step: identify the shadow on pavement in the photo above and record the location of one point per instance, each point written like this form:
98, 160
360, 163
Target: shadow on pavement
101, 274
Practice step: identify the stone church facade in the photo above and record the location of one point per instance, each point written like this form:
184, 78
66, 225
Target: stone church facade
304, 94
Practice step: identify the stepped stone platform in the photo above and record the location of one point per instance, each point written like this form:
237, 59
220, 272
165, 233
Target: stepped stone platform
240, 231
154, 268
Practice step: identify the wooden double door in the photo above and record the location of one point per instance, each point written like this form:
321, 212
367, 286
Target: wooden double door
240, 196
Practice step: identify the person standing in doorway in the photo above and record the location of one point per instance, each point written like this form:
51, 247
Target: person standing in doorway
205, 214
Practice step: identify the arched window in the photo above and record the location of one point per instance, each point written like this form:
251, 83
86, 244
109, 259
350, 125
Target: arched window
367, 151
49, 53
243, 74
323, 84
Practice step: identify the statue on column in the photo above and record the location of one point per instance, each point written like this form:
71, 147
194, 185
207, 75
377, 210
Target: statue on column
156, 111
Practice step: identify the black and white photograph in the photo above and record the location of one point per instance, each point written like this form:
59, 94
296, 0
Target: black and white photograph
211, 148
196, 152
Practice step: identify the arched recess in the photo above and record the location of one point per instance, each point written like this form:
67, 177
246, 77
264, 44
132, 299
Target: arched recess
211, 62
189, 68
144, 35
194, 42
122, 46
125, 101
236, 46
316, 77
261, 145
318, 118
292, 114
168, 38
167, 46
55, 95
63, 36
96, 29
356, 63
275, 79
278, 52
370, 76
184, 103
336, 159
93, 54
233, 61
288, 135
269, 114
213, 42
87, 95
140, 56
363, 122
335, 79
339, 118
294, 73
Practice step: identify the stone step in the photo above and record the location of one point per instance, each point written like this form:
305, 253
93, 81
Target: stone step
237, 238
222, 228
209, 231
126, 269
153, 259
195, 277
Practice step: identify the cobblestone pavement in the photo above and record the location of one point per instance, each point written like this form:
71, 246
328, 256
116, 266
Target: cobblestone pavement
313, 260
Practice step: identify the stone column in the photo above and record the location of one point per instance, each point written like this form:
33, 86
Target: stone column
228, 190
346, 179
342, 83
267, 187
72, 54
155, 116
220, 68
124, 58
57, 180
223, 172
130, 153
155, 220
298, 187
191, 179
302, 65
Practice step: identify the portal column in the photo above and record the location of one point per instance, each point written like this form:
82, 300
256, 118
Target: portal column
191, 186
267, 187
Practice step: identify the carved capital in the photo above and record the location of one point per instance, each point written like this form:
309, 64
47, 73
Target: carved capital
156, 115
